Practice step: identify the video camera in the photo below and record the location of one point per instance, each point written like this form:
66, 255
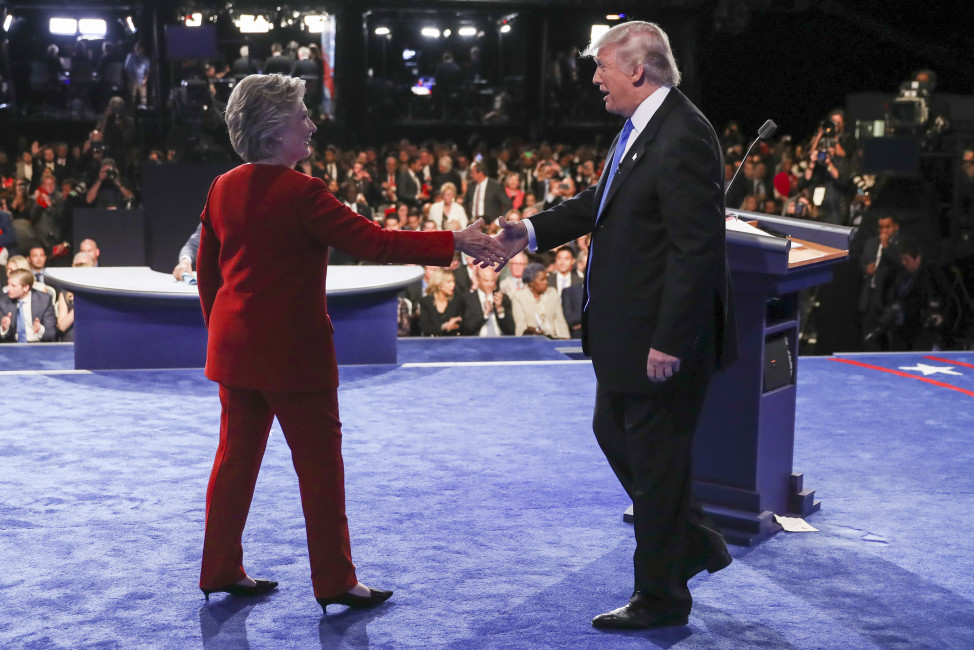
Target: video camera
911, 107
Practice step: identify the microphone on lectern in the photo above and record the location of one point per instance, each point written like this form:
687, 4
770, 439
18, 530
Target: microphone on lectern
766, 131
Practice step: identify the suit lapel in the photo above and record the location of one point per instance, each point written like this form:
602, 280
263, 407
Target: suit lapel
636, 152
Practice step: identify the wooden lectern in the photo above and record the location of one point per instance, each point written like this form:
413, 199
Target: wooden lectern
742, 457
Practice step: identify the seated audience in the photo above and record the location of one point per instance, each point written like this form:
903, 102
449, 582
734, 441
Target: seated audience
487, 311
26, 314
65, 303
537, 309
447, 208
440, 311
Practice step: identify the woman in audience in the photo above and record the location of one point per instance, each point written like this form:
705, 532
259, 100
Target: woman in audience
537, 307
270, 343
448, 208
512, 187
440, 309
64, 308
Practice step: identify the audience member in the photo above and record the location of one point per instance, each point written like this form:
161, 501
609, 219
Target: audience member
447, 207
26, 314
64, 307
89, 247
514, 278
440, 311
537, 309
487, 311
485, 196
564, 275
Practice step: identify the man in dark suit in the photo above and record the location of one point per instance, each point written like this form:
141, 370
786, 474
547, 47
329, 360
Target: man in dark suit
564, 275
26, 315
486, 310
880, 260
278, 63
485, 197
657, 316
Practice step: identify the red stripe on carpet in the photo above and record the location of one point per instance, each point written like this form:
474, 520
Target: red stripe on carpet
956, 363
906, 374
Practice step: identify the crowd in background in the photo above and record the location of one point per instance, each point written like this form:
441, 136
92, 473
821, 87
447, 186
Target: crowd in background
440, 185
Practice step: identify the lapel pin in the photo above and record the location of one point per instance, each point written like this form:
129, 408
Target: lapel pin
634, 156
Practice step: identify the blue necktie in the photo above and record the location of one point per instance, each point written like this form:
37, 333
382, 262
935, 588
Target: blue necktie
611, 171
21, 324
614, 164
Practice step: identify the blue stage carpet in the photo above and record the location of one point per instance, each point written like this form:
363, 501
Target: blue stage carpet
477, 492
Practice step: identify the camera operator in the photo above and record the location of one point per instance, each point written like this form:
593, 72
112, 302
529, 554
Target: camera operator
914, 302
827, 177
109, 190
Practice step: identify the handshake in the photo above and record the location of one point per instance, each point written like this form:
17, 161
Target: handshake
490, 251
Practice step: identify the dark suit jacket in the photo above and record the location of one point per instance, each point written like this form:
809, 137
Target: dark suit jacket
407, 189
571, 305
553, 279
464, 283
657, 271
473, 315
278, 64
496, 200
872, 292
41, 306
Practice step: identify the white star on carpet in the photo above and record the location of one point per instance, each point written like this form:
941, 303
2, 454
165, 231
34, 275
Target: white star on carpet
933, 370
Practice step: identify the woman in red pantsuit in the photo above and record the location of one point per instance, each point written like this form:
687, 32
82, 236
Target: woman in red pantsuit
262, 264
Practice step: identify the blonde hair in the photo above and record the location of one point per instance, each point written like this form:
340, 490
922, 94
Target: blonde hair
439, 277
641, 44
448, 186
259, 106
19, 262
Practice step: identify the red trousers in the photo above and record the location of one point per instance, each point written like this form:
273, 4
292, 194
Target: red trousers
314, 434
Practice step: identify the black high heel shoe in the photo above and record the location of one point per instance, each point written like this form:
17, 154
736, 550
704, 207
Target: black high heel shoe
259, 589
375, 597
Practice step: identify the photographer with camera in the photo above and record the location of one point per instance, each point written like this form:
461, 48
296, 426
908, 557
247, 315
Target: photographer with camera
109, 190
827, 176
914, 302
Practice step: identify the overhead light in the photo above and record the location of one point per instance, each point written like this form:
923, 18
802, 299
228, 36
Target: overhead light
194, 19
315, 24
430, 32
63, 26
92, 26
597, 31
7, 22
446, 33
505, 28
250, 24
613, 16
467, 31
131, 23
382, 31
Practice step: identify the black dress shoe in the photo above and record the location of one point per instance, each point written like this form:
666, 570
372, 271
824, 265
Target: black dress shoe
375, 597
708, 550
712, 564
259, 589
638, 614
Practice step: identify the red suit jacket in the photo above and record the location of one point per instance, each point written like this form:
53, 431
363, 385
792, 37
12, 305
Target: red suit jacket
262, 264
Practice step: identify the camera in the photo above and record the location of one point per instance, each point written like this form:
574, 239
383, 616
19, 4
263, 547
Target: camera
799, 208
111, 174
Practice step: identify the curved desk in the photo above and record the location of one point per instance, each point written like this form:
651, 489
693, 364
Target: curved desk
129, 317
